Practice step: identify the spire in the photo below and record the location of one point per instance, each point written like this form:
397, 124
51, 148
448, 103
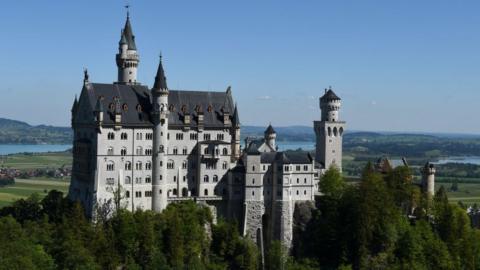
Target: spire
270, 130
99, 105
75, 104
160, 79
236, 119
123, 39
85, 76
128, 33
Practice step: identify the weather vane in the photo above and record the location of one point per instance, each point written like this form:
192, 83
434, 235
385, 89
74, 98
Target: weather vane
127, 6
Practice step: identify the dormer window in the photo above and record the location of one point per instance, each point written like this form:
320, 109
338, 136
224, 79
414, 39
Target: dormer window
111, 107
125, 107
184, 109
139, 108
210, 108
171, 108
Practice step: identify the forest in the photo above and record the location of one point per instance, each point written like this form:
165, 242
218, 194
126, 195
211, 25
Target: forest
382, 222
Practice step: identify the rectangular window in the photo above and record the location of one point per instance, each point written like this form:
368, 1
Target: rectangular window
220, 137
179, 136
206, 137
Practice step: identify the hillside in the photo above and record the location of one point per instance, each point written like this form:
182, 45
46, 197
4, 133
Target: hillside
17, 132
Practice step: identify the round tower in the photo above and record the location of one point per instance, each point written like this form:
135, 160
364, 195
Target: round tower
428, 178
160, 142
330, 104
127, 58
270, 136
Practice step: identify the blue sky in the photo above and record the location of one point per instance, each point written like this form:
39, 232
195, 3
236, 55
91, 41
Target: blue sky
398, 65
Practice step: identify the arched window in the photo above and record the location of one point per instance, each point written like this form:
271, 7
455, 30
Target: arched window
161, 149
128, 180
175, 191
148, 151
205, 192
148, 165
217, 151
224, 165
110, 150
205, 151
123, 136
175, 150
128, 166
205, 179
138, 165
110, 166
329, 131
225, 151
184, 164
148, 179
184, 151
123, 152
335, 132
341, 131
139, 150
111, 136
170, 164
215, 178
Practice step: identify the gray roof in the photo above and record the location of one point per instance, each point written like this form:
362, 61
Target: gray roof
128, 33
160, 80
253, 145
135, 102
270, 130
330, 95
297, 157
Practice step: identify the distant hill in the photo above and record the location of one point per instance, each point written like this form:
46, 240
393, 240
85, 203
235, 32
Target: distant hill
17, 132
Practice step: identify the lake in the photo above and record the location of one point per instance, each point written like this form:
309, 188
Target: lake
6, 149
465, 160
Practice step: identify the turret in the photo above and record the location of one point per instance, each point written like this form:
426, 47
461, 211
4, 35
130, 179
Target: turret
330, 105
236, 135
160, 142
270, 136
127, 58
428, 178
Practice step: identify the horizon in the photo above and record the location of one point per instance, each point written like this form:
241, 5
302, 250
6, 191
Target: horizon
398, 67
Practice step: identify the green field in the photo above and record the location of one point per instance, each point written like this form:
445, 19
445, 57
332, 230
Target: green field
36, 161
40, 185
25, 187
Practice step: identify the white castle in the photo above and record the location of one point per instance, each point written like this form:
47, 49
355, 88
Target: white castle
158, 146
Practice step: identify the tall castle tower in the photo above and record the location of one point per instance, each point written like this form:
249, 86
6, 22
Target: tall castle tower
428, 178
127, 58
160, 140
329, 131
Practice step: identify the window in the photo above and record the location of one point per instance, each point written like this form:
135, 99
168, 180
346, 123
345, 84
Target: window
110, 166
110, 181
127, 194
305, 167
138, 180
305, 180
161, 149
184, 151
304, 192
170, 164
298, 180
287, 168
179, 136
174, 179
148, 151
138, 194
123, 152
148, 165
148, 193
128, 180
139, 150
149, 136
138, 165
297, 192
148, 179
225, 151
205, 151
128, 166
205, 179
253, 193
220, 137
253, 168
205, 192
175, 151
110, 151
297, 168
206, 137
253, 181
139, 136
215, 178
111, 136
193, 136
184, 164
224, 165
184, 178
123, 136
175, 191
211, 166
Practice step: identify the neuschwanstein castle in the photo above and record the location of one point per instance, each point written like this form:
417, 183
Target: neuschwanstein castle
158, 146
